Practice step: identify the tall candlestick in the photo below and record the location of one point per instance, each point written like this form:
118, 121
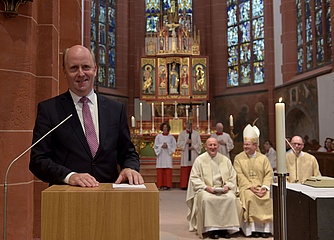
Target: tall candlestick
152, 109
209, 130
153, 118
141, 117
133, 122
231, 121
208, 109
162, 112
280, 136
197, 117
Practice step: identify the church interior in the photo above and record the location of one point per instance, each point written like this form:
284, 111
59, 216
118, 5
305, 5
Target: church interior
198, 61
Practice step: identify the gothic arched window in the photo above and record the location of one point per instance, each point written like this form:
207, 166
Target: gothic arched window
102, 40
160, 12
245, 40
314, 41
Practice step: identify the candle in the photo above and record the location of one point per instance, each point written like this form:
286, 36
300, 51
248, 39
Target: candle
231, 121
152, 109
208, 109
153, 118
187, 112
197, 110
133, 122
162, 109
280, 136
141, 109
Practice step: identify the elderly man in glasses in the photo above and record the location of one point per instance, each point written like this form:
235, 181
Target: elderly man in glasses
300, 165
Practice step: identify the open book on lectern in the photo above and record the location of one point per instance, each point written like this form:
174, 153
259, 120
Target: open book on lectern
320, 182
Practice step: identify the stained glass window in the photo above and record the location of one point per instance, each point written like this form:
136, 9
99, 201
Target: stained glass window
103, 40
245, 40
313, 34
159, 12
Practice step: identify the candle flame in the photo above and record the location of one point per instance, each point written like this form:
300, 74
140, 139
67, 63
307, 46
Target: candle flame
280, 99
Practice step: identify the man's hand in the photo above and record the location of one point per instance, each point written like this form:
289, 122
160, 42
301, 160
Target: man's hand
226, 188
83, 180
260, 192
131, 175
210, 189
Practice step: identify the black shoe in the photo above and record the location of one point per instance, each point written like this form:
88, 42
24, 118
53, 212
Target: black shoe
214, 235
265, 235
255, 235
224, 234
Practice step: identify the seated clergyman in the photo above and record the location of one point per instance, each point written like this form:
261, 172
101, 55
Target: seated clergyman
300, 165
254, 176
213, 208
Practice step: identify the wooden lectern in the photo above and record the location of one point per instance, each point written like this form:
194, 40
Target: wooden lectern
101, 213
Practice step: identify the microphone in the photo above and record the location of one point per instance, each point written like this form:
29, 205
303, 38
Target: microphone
7, 171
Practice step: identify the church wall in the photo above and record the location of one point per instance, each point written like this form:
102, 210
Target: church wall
26, 68
246, 109
289, 39
31, 63
301, 103
303, 116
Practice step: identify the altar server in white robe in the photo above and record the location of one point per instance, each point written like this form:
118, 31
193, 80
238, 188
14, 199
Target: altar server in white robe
224, 140
213, 208
190, 144
164, 147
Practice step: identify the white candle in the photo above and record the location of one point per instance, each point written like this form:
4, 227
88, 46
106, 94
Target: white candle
280, 136
141, 109
187, 112
197, 110
153, 118
208, 109
152, 109
133, 122
231, 121
162, 109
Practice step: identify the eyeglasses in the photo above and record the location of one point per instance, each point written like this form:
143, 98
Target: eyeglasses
248, 144
298, 144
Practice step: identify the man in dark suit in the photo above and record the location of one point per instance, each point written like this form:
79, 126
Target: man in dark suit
65, 156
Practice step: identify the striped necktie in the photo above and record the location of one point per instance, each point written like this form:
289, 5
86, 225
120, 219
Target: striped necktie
89, 126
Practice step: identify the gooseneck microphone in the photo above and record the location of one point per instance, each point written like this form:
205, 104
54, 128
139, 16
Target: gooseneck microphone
7, 171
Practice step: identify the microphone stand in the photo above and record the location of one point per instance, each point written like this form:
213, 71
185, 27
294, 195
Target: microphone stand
5, 185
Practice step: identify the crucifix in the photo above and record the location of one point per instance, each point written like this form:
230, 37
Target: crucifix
175, 112
189, 106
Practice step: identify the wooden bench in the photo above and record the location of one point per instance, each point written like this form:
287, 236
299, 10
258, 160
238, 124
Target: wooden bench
326, 162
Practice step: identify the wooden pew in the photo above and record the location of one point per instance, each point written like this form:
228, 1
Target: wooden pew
326, 162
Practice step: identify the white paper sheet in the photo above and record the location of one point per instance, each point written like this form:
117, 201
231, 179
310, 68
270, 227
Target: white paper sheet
125, 185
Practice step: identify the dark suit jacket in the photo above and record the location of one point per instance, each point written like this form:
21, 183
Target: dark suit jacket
66, 149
